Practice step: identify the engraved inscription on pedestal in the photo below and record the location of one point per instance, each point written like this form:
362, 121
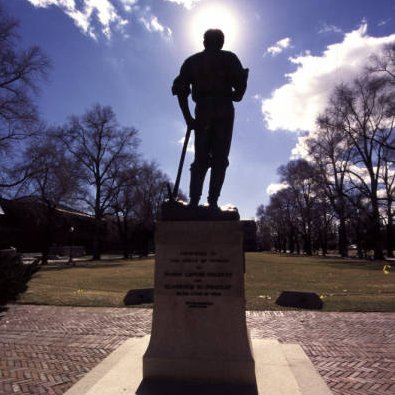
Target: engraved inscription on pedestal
199, 329
199, 279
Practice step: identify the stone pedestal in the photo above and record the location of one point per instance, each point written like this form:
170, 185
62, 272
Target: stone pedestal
199, 342
199, 329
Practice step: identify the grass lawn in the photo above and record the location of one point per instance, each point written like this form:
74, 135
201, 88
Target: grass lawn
344, 284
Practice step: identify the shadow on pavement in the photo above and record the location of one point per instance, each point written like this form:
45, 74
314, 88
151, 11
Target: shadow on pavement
3, 310
162, 387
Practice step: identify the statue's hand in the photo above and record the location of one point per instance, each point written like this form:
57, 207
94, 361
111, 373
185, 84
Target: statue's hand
191, 123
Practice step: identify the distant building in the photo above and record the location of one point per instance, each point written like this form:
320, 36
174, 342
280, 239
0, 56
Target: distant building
250, 239
24, 225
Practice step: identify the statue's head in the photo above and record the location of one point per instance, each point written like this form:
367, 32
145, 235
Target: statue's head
213, 39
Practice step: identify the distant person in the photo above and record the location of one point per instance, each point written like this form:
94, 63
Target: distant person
217, 79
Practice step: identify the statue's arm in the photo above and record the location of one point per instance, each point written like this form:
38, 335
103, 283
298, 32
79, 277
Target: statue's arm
239, 77
182, 90
184, 105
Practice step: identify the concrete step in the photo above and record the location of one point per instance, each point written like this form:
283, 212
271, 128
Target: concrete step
281, 369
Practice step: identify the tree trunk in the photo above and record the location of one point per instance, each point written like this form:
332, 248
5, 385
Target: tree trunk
125, 239
390, 233
307, 245
390, 241
284, 245
359, 240
47, 236
291, 242
297, 244
378, 245
97, 241
342, 233
98, 217
324, 242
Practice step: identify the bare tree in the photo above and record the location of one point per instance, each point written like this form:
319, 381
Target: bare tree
103, 148
384, 63
277, 222
332, 153
282, 205
54, 179
300, 175
387, 178
353, 153
324, 224
20, 72
124, 204
151, 192
140, 191
264, 230
365, 116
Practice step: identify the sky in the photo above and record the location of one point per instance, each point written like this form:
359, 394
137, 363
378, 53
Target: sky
126, 53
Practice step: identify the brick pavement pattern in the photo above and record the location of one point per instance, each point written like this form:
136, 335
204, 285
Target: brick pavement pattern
46, 349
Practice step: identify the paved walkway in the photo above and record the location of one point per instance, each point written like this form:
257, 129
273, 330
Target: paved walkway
45, 349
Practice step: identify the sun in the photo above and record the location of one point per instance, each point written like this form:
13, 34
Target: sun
214, 16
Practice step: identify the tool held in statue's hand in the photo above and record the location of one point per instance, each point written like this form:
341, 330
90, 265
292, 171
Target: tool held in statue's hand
181, 164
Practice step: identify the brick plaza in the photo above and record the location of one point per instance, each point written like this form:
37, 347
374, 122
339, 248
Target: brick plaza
46, 349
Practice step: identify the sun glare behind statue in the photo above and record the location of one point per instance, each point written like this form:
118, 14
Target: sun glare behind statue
214, 16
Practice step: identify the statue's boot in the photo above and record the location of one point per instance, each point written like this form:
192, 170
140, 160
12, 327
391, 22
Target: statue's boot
196, 185
216, 181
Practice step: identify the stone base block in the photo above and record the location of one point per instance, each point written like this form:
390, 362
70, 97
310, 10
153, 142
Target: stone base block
199, 329
280, 369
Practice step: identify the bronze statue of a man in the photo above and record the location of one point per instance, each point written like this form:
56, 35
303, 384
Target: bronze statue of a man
217, 79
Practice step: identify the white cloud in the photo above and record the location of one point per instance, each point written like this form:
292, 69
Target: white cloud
190, 146
91, 16
152, 24
295, 105
94, 16
356, 174
300, 150
129, 5
275, 187
384, 22
279, 46
325, 28
188, 4
46, 3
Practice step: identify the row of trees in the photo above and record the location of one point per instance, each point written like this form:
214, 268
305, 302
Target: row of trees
90, 163
343, 191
